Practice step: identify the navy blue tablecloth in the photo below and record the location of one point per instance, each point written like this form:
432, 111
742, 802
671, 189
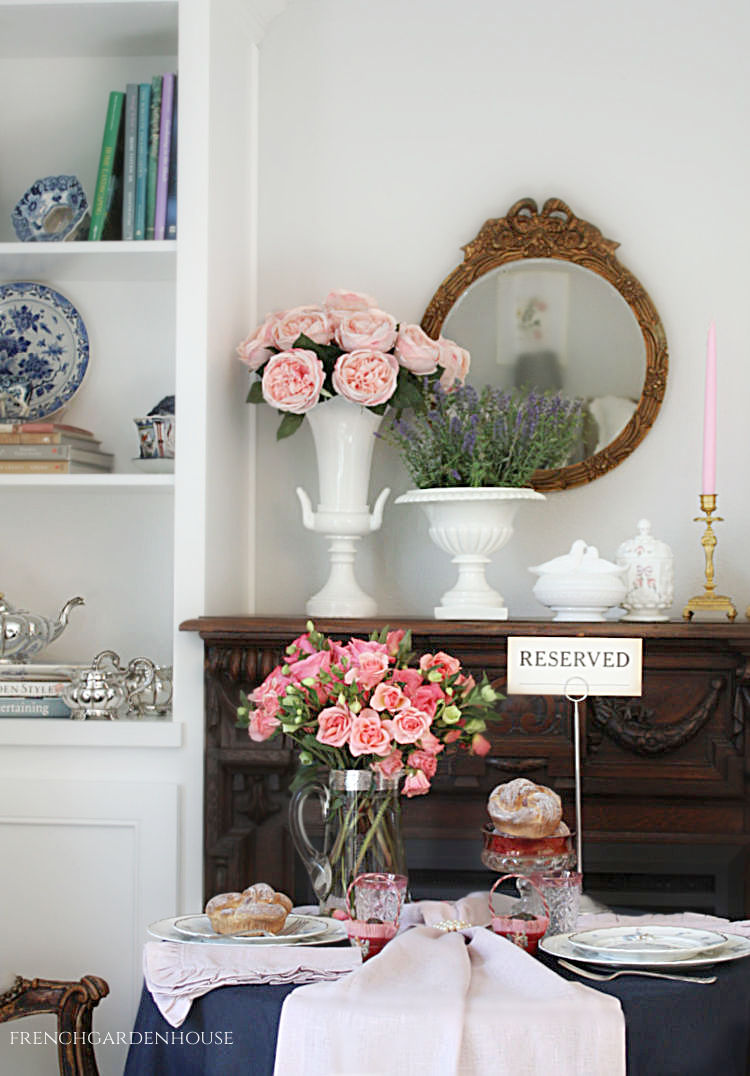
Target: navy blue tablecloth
673, 1029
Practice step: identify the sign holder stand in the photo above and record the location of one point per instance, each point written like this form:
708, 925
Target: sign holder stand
576, 697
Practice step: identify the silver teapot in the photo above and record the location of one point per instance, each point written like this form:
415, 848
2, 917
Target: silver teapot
24, 634
101, 691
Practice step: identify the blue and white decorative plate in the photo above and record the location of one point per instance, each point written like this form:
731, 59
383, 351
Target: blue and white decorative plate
52, 209
44, 343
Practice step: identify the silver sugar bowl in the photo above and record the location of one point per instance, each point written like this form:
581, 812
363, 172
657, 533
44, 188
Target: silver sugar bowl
153, 699
99, 692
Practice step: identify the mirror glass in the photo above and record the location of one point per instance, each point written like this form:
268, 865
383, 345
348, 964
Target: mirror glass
542, 302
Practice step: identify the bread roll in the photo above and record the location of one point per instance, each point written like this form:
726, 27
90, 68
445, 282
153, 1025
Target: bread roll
522, 809
258, 909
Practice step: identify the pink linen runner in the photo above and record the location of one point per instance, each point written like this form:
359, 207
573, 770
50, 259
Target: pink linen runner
176, 972
432, 1005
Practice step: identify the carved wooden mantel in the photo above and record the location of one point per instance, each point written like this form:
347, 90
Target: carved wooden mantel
667, 769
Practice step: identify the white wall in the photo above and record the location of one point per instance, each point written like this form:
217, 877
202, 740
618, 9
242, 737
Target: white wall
391, 131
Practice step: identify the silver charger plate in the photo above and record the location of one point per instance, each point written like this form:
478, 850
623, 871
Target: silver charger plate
736, 947
43, 343
165, 930
654, 940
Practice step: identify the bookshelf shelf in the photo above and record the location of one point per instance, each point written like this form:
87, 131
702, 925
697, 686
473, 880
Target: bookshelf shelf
64, 483
49, 732
54, 28
148, 261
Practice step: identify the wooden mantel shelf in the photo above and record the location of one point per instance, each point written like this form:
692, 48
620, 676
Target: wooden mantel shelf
287, 627
665, 776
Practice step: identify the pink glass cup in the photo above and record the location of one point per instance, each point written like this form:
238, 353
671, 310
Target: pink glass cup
375, 901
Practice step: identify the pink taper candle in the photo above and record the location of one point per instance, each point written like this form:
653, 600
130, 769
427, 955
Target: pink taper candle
709, 416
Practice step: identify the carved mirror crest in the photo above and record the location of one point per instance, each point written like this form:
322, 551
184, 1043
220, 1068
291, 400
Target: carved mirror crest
541, 301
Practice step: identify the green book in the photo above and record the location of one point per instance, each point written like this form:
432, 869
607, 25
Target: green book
106, 163
153, 155
141, 158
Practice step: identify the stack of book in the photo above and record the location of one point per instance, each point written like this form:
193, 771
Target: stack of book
136, 187
50, 448
34, 690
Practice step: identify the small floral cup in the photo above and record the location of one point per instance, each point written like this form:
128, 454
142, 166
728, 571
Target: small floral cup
524, 928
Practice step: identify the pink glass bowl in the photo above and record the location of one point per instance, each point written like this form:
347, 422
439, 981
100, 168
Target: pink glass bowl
526, 855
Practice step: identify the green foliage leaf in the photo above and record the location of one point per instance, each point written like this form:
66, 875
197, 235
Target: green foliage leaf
289, 424
327, 353
255, 395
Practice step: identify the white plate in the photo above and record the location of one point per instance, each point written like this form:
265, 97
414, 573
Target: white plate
650, 940
331, 932
735, 948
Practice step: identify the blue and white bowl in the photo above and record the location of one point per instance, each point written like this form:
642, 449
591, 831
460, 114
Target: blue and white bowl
52, 209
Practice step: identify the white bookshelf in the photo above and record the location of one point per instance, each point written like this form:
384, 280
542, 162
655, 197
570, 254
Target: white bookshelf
146, 551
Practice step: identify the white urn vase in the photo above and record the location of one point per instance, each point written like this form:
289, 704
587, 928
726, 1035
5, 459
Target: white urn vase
470, 524
344, 437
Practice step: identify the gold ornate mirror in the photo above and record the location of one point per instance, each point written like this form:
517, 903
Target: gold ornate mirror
540, 300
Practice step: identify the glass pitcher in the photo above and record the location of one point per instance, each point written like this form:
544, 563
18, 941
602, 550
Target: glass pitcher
362, 817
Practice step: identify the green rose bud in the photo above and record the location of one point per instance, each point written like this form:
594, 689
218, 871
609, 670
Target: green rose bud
305, 758
451, 715
434, 675
475, 725
488, 693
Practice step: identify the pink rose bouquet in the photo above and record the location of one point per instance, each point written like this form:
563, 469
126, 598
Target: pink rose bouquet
362, 352
371, 704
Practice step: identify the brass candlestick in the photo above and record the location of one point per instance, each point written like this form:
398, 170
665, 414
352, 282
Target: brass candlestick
709, 600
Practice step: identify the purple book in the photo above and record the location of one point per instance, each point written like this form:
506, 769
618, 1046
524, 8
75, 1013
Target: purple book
162, 173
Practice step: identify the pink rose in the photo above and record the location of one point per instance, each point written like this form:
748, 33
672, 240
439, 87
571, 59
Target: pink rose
365, 377
256, 349
334, 726
313, 321
339, 302
410, 678
454, 361
262, 725
372, 329
452, 736
416, 784
393, 641
292, 380
416, 351
441, 661
480, 745
369, 735
427, 697
408, 725
466, 683
267, 696
390, 765
422, 760
430, 744
388, 697
369, 663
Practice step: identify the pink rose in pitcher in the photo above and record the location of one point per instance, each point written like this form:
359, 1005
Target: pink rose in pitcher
340, 301
369, 735
255, 350
292, 380
366, 329
365, 377
313, 321
454, 361
416, 351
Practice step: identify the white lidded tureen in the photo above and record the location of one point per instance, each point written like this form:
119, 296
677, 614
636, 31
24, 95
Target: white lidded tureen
579, 585
23, 635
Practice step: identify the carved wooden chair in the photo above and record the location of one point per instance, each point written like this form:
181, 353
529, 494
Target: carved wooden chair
72, 1003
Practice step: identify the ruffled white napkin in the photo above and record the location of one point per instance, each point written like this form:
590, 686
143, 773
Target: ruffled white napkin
451, 1004
176, 972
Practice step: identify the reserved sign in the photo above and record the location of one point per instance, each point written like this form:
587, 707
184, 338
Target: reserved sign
574, 666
